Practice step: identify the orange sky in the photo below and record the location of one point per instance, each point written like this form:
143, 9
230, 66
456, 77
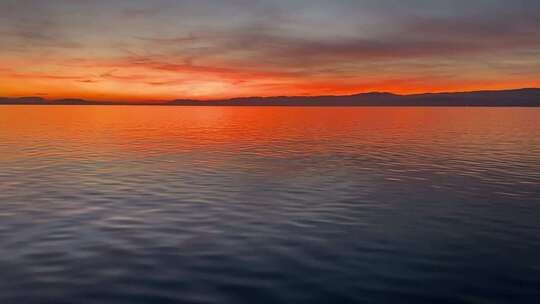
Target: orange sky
134, 51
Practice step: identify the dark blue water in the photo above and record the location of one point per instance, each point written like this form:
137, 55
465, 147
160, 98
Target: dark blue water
269, 205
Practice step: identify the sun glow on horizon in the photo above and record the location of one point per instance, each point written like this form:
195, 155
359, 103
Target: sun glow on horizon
136, 51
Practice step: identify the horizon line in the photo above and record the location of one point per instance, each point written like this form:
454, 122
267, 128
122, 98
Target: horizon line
262, 97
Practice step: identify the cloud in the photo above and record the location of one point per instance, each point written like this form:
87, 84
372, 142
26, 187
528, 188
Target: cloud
140, 12
461, 35
270, 45
170, 41
31, 26
41, 76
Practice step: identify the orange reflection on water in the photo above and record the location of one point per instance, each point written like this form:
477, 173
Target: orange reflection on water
155, 130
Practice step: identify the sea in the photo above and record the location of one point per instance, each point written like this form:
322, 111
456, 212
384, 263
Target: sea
159, 204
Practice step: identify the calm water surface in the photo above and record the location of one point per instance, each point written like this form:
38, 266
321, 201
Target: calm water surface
269, 205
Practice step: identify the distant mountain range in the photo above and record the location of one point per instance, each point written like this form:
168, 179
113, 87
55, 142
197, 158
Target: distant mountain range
505, 98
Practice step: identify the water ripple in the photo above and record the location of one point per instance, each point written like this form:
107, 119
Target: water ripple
269, 205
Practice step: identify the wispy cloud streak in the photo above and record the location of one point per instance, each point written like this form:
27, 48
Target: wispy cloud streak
217, 49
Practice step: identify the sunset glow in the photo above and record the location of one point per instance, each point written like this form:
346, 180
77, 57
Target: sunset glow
162, 50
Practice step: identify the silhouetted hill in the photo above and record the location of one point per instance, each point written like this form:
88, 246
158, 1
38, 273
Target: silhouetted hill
505, 98
22, 100
521, 97
42, 101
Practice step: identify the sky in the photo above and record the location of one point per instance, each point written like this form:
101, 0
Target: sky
137, 50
